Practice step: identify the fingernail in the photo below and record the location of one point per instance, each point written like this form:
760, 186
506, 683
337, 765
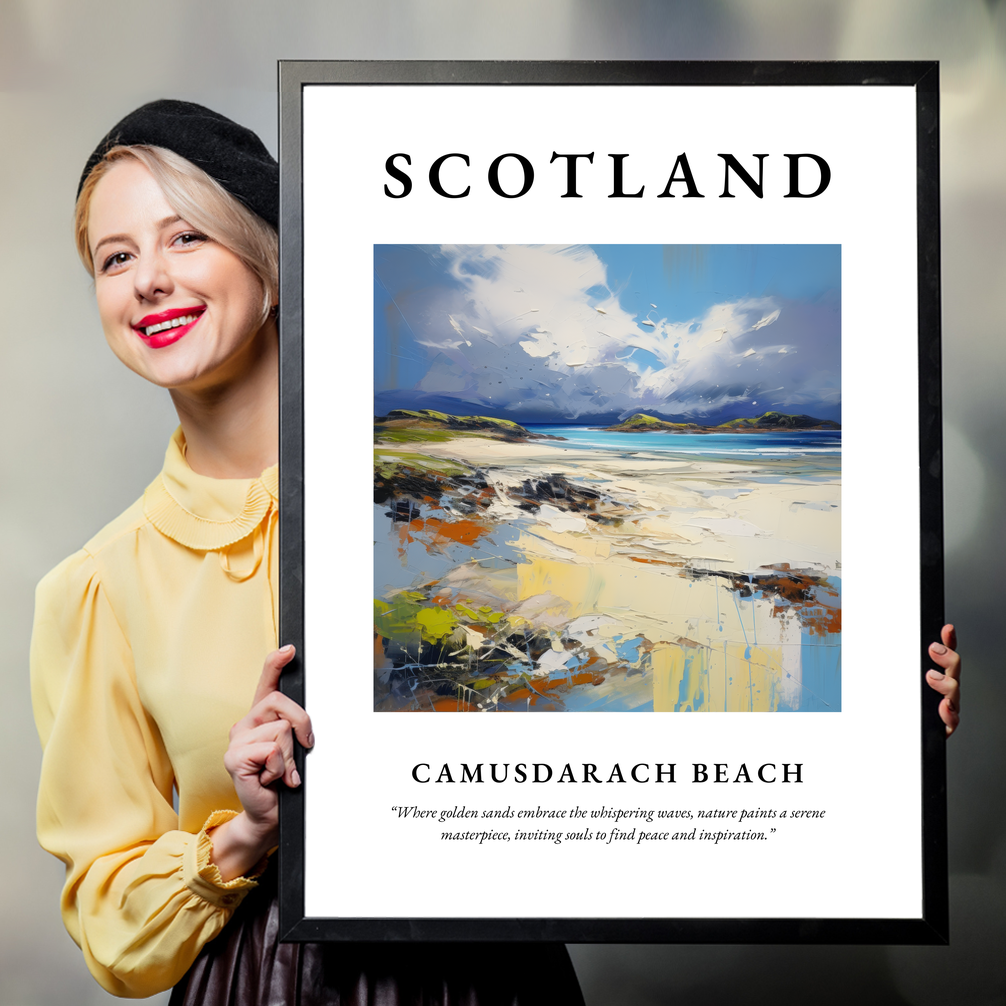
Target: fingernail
938, 648
310, 740
951, 706
295, 777
936, 675
287, 649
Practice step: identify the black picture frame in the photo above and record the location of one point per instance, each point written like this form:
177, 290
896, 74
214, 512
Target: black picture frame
931, 927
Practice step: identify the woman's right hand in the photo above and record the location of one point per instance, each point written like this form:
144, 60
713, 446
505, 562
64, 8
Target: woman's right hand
259, 754
948, 681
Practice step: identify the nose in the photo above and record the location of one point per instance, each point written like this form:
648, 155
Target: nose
152, 276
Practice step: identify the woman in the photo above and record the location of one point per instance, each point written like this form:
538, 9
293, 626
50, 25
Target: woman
148, 643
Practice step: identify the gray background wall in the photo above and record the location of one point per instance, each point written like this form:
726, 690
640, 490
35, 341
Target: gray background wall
82, 436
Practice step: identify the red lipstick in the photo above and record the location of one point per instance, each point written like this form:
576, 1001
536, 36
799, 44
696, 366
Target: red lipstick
166, 327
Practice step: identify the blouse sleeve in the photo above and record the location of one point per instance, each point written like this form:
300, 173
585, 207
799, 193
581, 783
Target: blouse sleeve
141, 898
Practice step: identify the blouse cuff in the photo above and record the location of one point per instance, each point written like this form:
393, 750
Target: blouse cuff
202, 876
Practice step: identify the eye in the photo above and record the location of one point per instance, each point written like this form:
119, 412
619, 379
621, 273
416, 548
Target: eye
189, 239
115, 261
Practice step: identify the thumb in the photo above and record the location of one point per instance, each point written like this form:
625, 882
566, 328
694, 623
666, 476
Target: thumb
271, 671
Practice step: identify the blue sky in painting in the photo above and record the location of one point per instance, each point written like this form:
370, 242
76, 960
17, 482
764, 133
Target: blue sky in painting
580, 334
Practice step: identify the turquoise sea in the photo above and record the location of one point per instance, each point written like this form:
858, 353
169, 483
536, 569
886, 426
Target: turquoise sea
793, 444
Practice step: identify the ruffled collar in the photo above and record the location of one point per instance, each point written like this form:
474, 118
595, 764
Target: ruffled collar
203, 513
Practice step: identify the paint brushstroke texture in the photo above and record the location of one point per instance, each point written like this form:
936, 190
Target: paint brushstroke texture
607, 478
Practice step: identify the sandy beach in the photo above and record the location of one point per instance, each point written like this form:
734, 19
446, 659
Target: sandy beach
538, 576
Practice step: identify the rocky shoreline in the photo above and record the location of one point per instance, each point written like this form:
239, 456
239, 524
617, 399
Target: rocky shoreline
531, 576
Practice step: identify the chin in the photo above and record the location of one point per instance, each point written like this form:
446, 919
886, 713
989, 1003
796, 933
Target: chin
175, 374
194, 379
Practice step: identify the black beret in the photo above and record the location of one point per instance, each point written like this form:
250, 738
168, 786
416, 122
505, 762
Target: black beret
230, 154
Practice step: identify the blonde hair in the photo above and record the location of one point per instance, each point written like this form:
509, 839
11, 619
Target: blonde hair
199, 200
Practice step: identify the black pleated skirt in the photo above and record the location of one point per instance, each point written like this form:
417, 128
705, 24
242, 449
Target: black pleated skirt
246, 965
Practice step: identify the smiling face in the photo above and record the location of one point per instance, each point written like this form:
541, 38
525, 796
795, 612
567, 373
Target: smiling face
177, 307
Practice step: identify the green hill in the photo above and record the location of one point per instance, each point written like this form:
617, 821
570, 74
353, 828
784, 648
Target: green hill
408, 425
779, 421
642, 423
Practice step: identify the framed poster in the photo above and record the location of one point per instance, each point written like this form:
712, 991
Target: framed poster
610, 417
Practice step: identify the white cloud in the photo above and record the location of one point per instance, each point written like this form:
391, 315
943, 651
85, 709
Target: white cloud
541, 326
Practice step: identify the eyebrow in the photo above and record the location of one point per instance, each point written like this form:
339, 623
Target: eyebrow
111, 238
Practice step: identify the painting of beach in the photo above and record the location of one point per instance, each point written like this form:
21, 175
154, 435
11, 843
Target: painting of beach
607, 478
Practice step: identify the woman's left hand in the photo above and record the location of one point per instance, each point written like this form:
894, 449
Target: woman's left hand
948, 681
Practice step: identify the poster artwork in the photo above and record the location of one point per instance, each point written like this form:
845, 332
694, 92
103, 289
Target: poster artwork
607, 478
623, 458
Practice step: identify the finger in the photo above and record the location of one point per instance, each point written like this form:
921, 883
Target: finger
271, 670
274, 766
949, 708
276, 706
273, 708
948, 659
949, 636
945, 685
261, 760
950, 716
278, 732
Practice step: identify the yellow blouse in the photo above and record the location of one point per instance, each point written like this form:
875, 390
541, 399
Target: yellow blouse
147, 647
